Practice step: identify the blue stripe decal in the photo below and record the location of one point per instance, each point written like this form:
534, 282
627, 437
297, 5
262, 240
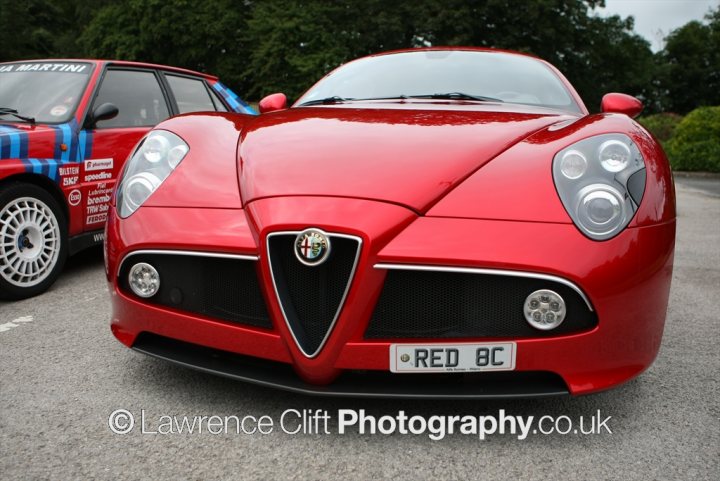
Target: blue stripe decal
14, 145
58, 140
4, 144
89, 146
236, 103
24, 145
13, 142
67, 140
52, 166
82, 139
72, 154
36, 166
84, 146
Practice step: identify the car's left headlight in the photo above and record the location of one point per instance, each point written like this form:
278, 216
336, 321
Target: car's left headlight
601, 181
155, 158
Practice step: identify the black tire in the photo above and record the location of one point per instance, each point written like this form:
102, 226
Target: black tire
33, 240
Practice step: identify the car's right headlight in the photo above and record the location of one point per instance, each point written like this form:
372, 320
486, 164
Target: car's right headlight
601, 181
155, 158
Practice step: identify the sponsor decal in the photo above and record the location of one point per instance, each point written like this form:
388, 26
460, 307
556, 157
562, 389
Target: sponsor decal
74, 197
98, 200
98, 176
70, 180
96, 219
69, 171
98, 164
45, 67
58, 111
99, 237
97, 209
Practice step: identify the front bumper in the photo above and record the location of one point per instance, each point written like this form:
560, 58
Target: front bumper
626, 279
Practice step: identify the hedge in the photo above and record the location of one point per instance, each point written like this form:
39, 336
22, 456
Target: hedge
662, 126
695, 143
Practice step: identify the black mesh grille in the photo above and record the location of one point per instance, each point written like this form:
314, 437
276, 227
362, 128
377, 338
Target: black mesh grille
311, 296
217, 287
432, 304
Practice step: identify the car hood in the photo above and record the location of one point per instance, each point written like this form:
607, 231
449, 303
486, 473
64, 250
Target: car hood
16, 140
402, 153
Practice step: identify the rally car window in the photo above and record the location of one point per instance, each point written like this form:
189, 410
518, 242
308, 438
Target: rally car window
24, 88
190, 94
136, 94
219, 105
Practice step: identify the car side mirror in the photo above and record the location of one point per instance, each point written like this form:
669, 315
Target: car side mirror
273, 102
104, 111
621, 104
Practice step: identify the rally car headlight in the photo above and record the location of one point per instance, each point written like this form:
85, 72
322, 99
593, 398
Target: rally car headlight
153, 161
601, 181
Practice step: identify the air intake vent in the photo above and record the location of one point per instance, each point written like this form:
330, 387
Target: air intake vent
217, 286
438, 305
312, 297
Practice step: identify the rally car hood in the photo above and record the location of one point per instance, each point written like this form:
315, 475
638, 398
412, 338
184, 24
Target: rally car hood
404, 154
15, 140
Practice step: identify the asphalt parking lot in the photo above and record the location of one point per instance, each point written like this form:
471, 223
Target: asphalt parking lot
62, 374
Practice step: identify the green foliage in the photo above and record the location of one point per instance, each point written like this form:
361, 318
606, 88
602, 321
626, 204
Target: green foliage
295, 42
260, 47
690, 65
662, 126
204, 36
696, 142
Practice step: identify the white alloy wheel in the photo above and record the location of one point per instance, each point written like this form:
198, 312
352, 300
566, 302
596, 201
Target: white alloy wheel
29, 242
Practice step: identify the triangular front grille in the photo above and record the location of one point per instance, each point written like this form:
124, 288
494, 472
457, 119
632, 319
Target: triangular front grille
311, 297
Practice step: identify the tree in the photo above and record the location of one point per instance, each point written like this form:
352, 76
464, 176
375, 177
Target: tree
690, 65
295, 42
204, 36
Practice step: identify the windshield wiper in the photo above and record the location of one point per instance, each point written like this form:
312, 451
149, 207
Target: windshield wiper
448, 96
14, 113
455, 96
326, 101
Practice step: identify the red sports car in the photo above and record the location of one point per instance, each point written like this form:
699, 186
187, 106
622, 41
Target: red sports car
446, 223
66, 128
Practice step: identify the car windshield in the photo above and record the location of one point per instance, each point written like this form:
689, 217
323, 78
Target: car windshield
453, 74
46, 91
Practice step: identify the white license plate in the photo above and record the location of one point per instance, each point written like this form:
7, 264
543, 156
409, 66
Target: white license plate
496, 356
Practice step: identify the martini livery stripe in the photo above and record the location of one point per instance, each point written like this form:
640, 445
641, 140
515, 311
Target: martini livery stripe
13, 142
235, 102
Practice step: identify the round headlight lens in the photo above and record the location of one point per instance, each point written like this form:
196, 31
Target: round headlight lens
138, 188
176, 154
614, 155
600, 209
155, 148
573, 164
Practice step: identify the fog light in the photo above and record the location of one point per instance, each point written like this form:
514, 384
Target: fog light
544, 309
144, 280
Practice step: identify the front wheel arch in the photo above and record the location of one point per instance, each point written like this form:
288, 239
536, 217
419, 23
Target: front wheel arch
43, 182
